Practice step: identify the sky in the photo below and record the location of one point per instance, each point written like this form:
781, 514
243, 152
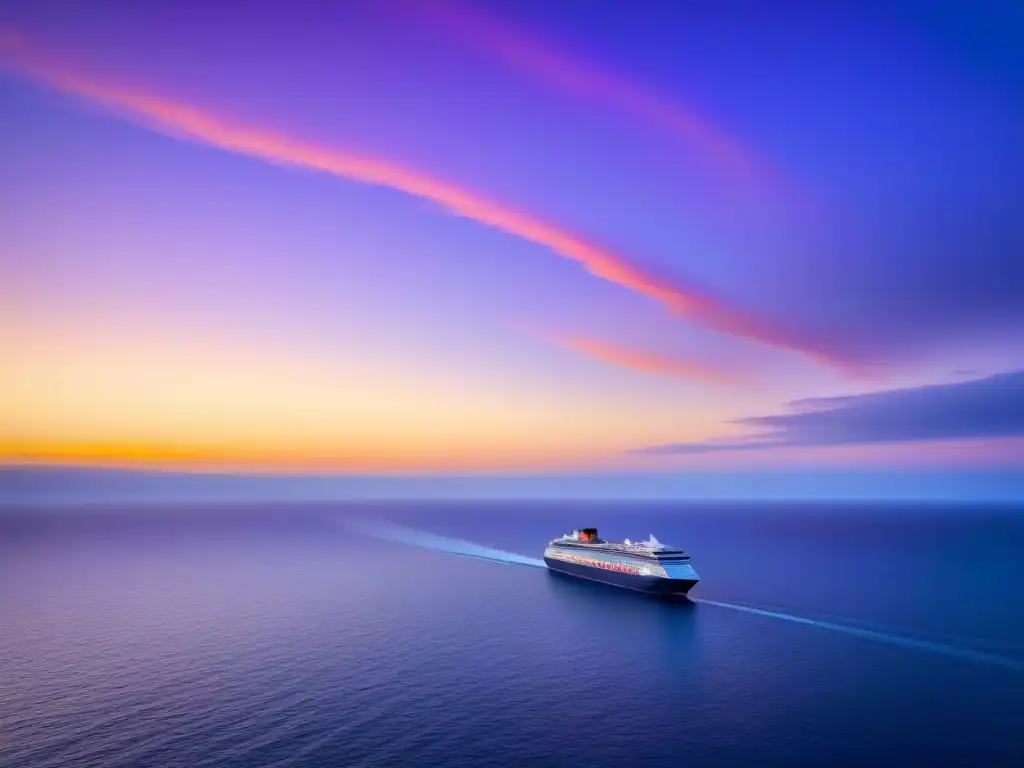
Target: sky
455, 237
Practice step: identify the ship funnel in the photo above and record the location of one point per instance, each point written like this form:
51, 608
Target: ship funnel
654, 541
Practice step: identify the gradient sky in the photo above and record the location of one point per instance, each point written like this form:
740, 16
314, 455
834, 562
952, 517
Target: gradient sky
440, 236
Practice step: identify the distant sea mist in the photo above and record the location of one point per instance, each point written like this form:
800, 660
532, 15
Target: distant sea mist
44, 485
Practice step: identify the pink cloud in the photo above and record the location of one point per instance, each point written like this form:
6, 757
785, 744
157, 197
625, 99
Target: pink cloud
525, 52
677, 366
185, 122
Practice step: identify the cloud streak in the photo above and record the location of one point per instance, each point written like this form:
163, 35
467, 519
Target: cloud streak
991, 407
543, 61
187, 123
686, 368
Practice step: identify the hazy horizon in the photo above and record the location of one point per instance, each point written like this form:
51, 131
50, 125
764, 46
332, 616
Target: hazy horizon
54, 485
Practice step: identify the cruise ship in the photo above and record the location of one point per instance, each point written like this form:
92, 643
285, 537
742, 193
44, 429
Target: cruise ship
645, 566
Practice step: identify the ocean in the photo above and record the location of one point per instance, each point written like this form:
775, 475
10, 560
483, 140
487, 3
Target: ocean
294, 635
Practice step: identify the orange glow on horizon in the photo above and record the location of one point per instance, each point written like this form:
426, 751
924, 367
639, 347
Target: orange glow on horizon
106, 398
268, 461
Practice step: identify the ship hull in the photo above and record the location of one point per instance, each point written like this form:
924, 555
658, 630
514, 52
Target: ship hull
654, 585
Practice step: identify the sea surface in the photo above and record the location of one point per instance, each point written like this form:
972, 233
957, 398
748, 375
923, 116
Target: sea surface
293, 635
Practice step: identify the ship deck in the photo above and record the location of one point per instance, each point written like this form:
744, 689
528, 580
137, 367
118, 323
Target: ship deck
625, 549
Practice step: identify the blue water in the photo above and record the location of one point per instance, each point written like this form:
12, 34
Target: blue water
372, 635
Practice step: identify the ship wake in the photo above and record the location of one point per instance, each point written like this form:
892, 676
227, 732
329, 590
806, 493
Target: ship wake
388, 531
944, 649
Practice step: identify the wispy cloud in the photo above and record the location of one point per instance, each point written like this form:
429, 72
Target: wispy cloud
991, 407
185, 122
542, 60
677, 366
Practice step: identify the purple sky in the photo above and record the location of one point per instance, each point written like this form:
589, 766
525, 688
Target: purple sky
434, 236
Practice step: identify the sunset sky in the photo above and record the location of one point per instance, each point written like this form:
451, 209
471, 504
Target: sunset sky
432, 236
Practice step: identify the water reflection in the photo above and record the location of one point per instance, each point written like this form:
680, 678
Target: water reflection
668, 625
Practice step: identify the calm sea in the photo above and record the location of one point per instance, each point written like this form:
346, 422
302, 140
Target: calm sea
276, 636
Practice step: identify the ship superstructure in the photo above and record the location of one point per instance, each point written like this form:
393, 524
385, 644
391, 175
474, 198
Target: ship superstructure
646, 566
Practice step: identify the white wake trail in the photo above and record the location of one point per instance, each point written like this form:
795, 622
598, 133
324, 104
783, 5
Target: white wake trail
388, 531
882, 637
